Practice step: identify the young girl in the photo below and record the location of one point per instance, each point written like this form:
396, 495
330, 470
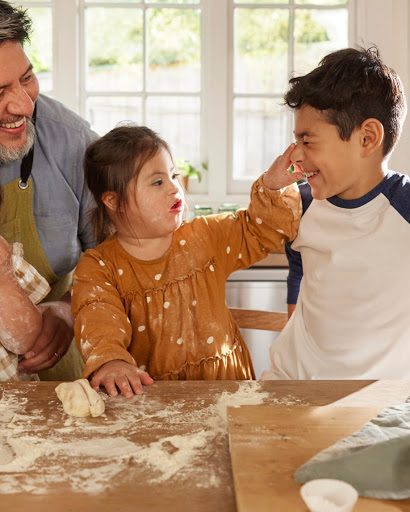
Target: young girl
149, 301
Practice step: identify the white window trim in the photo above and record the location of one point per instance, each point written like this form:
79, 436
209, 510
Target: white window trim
382, 22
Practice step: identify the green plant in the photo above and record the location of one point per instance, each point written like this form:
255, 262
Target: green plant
187, 170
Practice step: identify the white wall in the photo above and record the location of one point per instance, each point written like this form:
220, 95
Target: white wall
386, 23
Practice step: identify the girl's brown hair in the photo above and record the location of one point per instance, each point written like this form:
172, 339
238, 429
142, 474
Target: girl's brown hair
111, 162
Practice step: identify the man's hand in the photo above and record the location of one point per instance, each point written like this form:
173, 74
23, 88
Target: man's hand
278, 176
54, 339
122, 375
5, 254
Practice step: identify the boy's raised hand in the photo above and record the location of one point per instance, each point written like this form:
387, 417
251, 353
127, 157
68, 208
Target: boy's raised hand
122, 375
278, 176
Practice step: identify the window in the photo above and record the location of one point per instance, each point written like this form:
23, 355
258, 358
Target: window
270, 41
208, 75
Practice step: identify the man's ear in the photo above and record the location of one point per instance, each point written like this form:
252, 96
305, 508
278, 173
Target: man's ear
110, 200
371, 136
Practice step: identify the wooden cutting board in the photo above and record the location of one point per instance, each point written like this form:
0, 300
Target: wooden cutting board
269, 443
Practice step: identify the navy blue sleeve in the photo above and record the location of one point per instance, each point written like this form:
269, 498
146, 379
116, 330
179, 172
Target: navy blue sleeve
295, 273
294, 257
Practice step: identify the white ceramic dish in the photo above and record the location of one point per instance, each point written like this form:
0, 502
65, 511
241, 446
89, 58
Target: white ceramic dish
327, 495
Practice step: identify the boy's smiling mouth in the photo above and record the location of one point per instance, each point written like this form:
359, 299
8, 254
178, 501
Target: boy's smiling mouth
311, 174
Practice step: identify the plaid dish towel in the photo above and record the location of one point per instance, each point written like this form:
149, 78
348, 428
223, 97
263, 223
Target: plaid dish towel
36, 287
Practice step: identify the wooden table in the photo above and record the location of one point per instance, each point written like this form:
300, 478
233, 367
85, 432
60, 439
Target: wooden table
165, 451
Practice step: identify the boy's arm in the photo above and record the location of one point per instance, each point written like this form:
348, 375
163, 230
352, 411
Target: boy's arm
294, 277
20, 320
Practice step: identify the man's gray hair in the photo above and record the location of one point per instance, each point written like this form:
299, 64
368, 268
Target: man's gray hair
15, 23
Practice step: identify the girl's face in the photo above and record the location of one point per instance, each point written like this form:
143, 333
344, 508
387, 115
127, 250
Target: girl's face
155, 200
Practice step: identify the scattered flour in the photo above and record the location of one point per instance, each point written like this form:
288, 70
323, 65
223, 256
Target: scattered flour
35, 451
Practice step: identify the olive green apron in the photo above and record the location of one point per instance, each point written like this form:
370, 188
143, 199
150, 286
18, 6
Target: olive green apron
18, 225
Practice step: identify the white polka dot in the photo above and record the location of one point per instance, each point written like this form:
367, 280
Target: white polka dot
128, 320
120, 271
261, 189
108, 284
258, 220
239, 256
166, 305
179, 341
101, 263
228, 250
82, 328
182, 242
143, 367
247, 218
282, 241
141, 328
211, 268
148, 299
194, 302
158, 277
210, 340
280, 231
122, 330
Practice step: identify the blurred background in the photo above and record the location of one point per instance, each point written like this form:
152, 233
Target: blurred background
208, 75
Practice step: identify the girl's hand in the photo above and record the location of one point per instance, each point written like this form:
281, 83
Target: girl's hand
124, 376
278, 176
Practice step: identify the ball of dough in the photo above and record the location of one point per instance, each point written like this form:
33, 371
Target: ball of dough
80, 399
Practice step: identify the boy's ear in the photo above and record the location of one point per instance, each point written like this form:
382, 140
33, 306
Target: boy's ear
110, 200
371, 136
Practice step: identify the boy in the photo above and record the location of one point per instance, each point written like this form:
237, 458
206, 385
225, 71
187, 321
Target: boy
351, 316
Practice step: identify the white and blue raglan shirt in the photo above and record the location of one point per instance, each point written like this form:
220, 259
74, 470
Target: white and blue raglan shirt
353, 308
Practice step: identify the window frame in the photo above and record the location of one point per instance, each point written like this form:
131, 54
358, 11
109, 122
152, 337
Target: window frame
375, 21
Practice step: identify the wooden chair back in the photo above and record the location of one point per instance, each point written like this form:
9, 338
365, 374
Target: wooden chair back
256, 319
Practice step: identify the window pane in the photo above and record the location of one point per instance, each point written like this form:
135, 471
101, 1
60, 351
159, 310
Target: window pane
323, 2
40, 49
260, 134
317, 33
174, 49
104, 113
115, 49
176, 119
261, 50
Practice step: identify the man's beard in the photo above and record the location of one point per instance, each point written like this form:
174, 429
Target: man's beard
9, 155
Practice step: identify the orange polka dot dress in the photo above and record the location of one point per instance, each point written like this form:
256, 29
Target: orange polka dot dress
169, 315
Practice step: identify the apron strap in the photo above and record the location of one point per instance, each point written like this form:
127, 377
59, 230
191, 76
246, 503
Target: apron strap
27, 162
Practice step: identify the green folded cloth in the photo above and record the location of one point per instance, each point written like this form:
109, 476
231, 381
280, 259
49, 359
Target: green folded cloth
375, 459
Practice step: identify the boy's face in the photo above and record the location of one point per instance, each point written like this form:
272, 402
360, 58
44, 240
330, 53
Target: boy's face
332, 165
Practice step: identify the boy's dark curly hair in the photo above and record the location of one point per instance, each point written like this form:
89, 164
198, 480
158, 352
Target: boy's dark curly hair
350, 86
